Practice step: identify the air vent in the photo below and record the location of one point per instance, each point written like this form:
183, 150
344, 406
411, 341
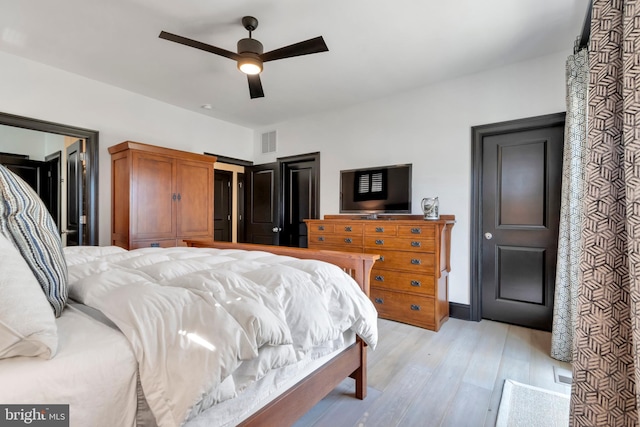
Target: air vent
269, 142
562, 376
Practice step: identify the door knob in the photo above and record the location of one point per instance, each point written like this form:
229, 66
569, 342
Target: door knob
276, 229
488, 236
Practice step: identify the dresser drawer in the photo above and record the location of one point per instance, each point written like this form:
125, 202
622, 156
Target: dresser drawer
413, 309
403, 281
418, 244
424, 231
321, 228
337, 240
406, 261
347, 228
386, 230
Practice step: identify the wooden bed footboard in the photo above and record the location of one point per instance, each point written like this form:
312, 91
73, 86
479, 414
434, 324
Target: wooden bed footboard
286, 409
355, 264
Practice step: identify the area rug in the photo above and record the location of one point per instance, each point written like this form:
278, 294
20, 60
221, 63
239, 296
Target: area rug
529, 406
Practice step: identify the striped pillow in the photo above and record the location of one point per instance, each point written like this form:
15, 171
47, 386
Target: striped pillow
25, 221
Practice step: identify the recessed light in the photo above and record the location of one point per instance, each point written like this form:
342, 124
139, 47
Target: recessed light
206, 106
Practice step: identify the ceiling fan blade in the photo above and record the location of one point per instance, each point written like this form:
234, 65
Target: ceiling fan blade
199, 45
255, 86
306, 47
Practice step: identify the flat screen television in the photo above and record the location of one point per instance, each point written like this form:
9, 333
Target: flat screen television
383, 189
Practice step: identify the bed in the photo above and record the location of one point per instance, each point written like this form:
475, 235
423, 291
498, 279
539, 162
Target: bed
97, 338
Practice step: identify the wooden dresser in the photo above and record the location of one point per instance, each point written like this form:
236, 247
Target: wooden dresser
159, 195
410, 281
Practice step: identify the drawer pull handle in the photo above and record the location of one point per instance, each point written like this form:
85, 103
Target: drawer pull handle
321, 227
416, 244
416, 230
379, 301
348, 240
381, 258
380, 278
320, 239
415, 307
379, 242
379, 229
415, 261
415, 283
154, 245
347, 228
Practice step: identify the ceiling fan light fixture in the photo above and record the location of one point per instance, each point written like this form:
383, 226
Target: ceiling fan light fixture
250, 65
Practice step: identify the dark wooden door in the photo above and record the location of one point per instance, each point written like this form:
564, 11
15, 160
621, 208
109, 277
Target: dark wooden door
31, 171
43, 177
263, 224
300, 197
222, 205
520, 208
75, 192
241, 227
51, 195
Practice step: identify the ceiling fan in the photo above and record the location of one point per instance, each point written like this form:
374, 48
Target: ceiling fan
250, 56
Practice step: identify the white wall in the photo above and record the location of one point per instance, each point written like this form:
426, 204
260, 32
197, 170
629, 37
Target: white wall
52, 144
36, 145
38, 91
431, 128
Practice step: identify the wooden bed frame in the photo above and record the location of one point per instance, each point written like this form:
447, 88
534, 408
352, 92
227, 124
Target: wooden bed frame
287, 408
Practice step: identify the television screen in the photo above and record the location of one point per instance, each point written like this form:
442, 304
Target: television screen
383, 189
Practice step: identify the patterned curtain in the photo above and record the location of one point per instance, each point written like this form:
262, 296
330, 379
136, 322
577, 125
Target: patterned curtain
569, 242
606, 361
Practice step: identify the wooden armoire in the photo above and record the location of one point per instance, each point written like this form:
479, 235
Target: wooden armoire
160, 196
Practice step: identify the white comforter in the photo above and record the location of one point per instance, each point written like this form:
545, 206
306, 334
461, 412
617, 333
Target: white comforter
194, 316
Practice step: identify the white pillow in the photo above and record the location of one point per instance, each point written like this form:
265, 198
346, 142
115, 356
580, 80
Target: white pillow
27, 323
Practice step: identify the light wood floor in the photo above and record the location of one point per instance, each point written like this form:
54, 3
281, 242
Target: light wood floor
450, 378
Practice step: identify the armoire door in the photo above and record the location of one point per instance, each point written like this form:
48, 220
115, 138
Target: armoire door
152, 197
194, 199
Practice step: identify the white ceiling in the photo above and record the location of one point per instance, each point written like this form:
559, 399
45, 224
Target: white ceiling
376, 48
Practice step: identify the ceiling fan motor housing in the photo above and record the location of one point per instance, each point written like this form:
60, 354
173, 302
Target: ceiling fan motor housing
250, 46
